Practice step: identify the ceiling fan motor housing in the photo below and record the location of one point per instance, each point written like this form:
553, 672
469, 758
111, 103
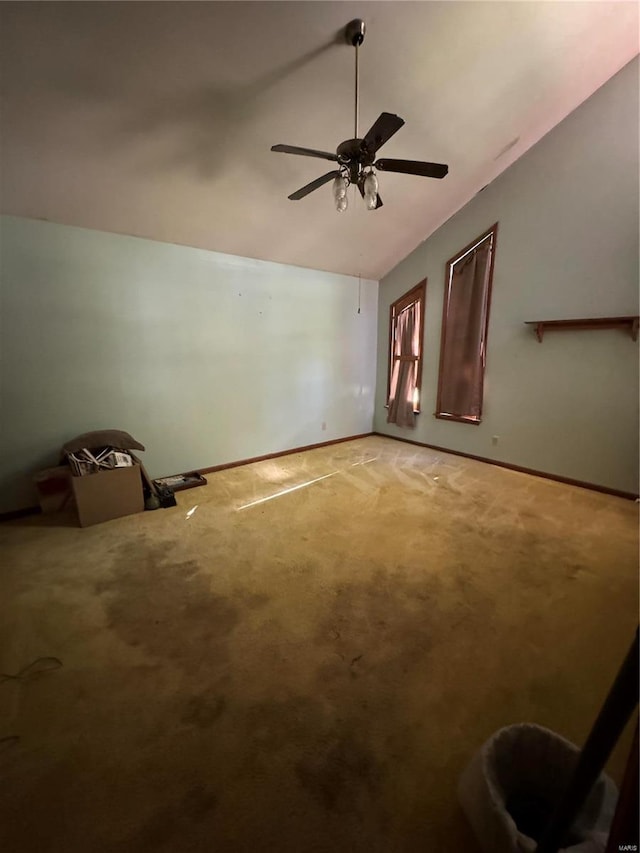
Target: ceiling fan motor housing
354, 155
354, 152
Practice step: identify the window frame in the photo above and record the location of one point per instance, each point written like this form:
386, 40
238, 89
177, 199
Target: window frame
492, 234
416, 294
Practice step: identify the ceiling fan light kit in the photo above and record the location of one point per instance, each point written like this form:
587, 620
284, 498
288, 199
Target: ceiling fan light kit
356, 157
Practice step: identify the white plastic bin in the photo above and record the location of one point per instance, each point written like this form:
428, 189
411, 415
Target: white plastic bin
511, 786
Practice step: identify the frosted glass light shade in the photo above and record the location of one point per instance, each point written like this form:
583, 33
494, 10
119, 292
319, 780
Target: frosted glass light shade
370, 187
339, 187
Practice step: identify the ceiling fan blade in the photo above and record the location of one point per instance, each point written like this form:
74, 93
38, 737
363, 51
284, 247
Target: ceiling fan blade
361, 188
309, 188
382, 130
306, 152
413, 167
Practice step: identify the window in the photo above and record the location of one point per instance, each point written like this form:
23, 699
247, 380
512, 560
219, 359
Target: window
406, 333
465, 320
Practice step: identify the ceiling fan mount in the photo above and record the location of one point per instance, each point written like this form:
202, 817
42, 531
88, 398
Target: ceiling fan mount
354, 32
356, 157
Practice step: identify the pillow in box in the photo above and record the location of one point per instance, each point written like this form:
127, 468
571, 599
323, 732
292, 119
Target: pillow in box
103, 438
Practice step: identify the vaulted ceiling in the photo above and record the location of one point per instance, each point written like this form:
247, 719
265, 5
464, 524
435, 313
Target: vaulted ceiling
156, 118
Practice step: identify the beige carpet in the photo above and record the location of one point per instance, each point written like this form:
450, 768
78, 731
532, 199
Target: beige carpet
307, 673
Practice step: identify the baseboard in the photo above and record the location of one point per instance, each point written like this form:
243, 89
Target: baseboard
508, 465
279, 453
33, 510
14, 514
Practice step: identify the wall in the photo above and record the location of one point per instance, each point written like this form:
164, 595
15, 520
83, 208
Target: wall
205, 358
567, 246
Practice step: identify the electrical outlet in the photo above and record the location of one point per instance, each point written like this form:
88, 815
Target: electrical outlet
495, 439
324, 424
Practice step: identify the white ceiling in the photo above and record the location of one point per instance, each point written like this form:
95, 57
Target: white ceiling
156, 119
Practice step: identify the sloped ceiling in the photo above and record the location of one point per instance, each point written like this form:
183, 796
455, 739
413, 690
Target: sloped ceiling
156, 119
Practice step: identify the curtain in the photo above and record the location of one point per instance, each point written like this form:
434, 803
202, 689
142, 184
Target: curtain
463, 355
406, 351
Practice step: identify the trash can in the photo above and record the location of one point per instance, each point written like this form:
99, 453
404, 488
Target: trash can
513, 783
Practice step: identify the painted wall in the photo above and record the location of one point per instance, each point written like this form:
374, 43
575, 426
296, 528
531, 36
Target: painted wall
205, 358
567, 247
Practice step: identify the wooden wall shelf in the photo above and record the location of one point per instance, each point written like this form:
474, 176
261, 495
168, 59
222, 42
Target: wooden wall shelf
629, 324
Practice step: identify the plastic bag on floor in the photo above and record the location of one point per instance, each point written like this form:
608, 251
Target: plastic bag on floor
510, 788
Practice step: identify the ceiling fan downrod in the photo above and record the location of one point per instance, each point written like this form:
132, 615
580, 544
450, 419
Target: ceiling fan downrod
354, 33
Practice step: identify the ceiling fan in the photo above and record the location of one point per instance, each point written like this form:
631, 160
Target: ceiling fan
356, 157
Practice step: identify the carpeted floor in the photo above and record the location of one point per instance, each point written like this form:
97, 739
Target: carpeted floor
307, 674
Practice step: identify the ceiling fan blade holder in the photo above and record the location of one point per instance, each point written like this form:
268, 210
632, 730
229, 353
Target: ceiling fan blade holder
413, 167
381, 131
314, 185
304, 152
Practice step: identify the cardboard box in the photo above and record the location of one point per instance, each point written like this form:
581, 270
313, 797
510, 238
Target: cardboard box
53, 486
108, 494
